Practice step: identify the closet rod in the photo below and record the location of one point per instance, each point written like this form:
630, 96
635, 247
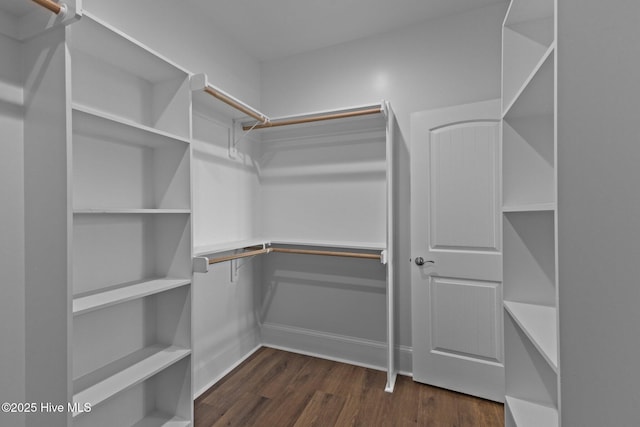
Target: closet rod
239, 255
315, 118
327, 253
51, 5
234, 103
254, 252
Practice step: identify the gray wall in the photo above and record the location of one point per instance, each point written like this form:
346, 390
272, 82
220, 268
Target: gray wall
599, 212
12, 309
452, 60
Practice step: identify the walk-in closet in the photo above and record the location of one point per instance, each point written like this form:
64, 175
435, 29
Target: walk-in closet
300, 213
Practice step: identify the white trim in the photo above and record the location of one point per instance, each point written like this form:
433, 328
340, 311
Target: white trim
339, 348
226, 372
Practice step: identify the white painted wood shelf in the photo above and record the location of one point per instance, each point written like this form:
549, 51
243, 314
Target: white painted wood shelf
530, 207
372, 246
539, 323
214, 248
529, 414
87, 120
101, 211
121, 375
123, 293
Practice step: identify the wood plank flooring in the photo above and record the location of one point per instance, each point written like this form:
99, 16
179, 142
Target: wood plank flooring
274, 388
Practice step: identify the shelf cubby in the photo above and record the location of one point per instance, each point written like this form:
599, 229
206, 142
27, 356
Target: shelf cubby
539, 324
522, 413
115, 250
528, 142
117, 166
122, 293
117, 75
528, 34
152, 393
528, 165
529, 257
121, 345
529, 377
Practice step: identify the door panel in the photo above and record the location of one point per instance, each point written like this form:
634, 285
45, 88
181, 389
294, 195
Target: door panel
463, 317
455, 228
463, 160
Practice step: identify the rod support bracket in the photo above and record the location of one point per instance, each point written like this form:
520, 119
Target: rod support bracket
383, 257
200, 264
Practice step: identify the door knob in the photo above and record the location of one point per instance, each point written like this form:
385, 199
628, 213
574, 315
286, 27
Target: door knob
420, 261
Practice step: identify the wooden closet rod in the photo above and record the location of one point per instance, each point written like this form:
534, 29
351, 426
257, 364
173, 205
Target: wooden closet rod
327, 253
239, 255
51, 5
317, 118
237, 105
254, 252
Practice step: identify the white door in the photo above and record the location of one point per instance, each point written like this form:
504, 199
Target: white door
455, 249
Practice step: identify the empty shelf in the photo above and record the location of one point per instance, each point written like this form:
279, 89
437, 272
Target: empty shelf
530, 207
129, 211
90, 121
199, 251
527, 414
115, 378
123, 293
538, 322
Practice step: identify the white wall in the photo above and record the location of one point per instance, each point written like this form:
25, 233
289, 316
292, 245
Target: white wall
448, 61
184, 35
224, 326
12, 309
599, 211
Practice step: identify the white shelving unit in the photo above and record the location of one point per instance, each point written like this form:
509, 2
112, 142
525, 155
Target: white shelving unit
529, 141
131, 231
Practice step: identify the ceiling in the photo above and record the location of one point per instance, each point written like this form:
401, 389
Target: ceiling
270, 29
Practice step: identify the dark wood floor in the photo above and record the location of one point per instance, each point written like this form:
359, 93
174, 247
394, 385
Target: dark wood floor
275, 388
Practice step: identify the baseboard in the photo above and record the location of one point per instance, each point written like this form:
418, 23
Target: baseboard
340, 348
227, 360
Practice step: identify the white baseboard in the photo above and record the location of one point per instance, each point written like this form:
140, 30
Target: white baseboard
340, 348
227, 360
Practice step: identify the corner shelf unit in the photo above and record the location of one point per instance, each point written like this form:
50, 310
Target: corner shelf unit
529, 188
131, 231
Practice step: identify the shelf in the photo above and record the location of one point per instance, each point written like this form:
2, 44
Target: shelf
125, 373
101, 211
111, 250
532, 207
528, 414
331, 244
200, 251
239, 244
528, 160
123, 293
529, 265
162, 420
536, 96
539, 324
90, 121
114, 73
